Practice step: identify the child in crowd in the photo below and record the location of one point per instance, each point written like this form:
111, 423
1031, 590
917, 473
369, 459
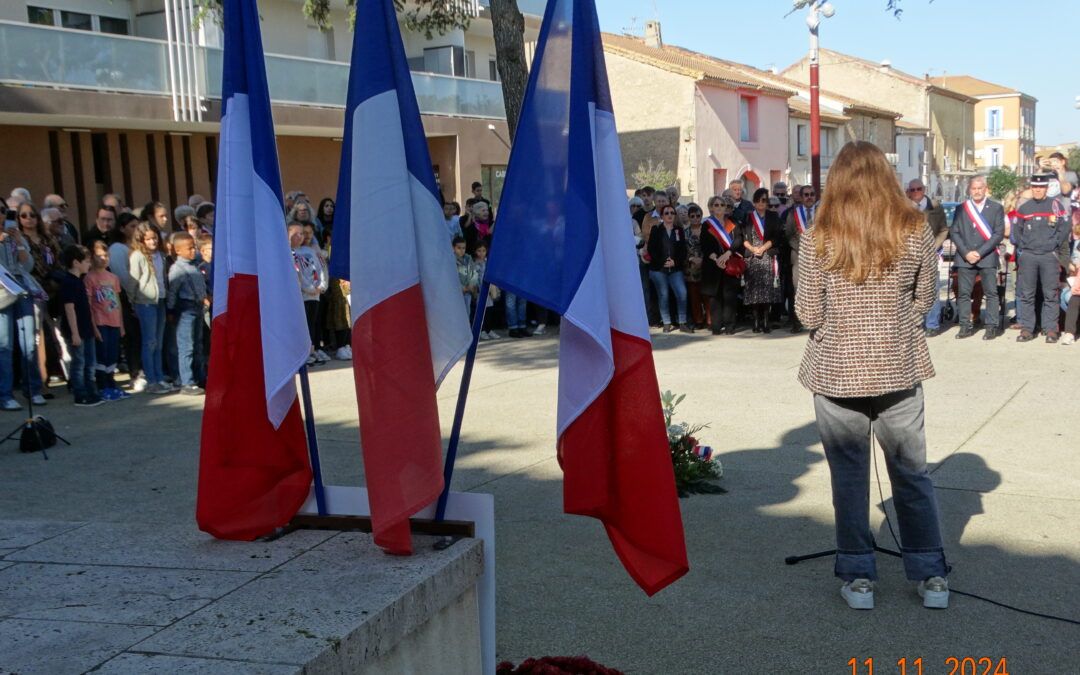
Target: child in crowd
313, 283
206, 268
480, 258
338, 315
185, 301
467, 276
103, 290
146, 291
77, 326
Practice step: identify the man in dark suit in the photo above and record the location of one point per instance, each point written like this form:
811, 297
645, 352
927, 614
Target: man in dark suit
977, 229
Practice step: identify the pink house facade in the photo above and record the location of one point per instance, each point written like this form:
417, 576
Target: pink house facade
701, 119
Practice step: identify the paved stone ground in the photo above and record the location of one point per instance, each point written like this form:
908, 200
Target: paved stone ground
1001, 424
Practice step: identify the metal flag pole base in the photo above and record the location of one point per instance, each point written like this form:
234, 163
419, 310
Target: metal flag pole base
463, 395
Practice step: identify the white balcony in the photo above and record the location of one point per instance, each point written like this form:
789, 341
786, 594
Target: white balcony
73, 59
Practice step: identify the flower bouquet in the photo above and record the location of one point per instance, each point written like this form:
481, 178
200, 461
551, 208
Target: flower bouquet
696, 467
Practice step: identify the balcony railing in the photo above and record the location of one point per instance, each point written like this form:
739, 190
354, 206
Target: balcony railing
80, 59
56, 57
527, 7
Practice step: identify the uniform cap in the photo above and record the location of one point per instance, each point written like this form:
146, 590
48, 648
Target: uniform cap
1040, 179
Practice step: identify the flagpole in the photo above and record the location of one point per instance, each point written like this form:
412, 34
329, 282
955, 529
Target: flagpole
463, 395
313, 442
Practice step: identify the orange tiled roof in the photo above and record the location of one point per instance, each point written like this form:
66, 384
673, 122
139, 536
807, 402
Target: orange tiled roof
972, 86
691, 64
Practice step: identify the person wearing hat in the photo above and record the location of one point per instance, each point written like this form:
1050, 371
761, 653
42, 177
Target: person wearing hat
1041, 236
977, 228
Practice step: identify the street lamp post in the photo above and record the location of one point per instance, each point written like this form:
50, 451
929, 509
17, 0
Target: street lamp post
818, 9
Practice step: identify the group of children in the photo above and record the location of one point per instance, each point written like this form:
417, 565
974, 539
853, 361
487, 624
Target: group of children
169, 287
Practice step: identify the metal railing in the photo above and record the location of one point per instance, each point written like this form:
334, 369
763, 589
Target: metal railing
303, 81
81, 59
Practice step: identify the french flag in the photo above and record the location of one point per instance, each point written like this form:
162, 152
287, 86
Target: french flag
409, 322
564, 241
254, 472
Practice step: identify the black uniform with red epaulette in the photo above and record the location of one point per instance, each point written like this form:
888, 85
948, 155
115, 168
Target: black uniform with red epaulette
1041, 236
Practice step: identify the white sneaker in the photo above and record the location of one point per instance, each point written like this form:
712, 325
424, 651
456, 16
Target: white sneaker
540, 329
38, 399
493, 335
139, 385
321, 356
11, 404
311, 360
934, 593
343, 353
1068, 339
859, 593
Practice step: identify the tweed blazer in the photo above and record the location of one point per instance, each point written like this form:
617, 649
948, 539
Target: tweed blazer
866, 339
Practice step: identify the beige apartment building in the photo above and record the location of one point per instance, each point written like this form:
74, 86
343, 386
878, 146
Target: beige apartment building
944, 118
702, 119
1004, 123
101, 96
843, 120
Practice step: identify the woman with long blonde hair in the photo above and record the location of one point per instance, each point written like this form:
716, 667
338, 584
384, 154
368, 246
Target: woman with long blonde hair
866, 281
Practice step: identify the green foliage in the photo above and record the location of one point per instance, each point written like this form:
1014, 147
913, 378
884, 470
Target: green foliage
1073, 157
1002, 182
425, 16
694, 474
654, 174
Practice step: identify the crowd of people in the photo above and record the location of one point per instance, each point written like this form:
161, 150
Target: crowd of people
133, 291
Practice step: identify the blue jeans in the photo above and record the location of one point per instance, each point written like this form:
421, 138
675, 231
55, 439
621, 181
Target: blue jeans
897, 422
152, 325
189, 326
17, 323
83, 363
108, 355
515, 311
933, 318
674, 282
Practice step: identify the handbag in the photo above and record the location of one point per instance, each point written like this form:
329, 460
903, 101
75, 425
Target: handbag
735, 266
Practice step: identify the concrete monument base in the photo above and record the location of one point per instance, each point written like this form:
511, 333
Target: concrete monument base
137, 598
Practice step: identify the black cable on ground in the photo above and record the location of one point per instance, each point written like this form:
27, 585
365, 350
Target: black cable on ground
896, 540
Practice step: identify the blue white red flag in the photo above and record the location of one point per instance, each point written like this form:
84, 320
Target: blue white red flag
561, 242
409, 322
254, 472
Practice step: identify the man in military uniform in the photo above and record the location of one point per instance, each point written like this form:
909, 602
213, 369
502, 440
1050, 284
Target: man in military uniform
977, 229
1041, 236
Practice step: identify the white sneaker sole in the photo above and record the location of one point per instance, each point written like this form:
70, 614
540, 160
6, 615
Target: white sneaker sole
857, 600
935, 599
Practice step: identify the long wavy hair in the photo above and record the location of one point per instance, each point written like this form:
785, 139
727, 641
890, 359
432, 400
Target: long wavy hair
864, 218
138, 247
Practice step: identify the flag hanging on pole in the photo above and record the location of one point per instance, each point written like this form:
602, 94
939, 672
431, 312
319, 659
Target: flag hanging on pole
564, 241
409, 320
254, 473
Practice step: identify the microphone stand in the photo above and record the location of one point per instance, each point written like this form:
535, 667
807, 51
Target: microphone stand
31, 423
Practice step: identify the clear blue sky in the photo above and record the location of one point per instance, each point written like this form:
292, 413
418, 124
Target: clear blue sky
929, 37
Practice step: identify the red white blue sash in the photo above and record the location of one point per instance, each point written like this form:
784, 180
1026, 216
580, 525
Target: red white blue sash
977, 220
759, 224
718, 231
800, 218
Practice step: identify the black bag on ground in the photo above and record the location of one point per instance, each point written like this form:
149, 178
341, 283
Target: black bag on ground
37, 434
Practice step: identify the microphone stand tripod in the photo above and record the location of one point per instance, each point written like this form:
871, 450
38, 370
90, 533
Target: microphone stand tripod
30, 425
796, 559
